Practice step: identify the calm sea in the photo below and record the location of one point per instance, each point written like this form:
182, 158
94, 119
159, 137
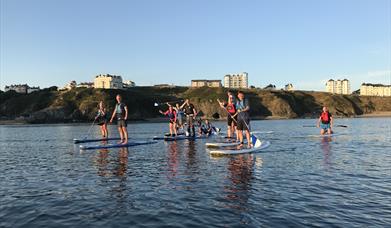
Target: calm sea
301, 180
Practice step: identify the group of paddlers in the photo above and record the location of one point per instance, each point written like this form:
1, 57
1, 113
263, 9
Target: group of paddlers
236, 107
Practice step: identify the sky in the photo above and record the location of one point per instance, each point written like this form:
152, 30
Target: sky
304, 42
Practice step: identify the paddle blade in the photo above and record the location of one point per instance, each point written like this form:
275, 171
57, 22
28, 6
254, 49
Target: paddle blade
255, 141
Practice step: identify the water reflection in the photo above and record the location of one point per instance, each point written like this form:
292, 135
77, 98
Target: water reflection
326, 148
241, 171
108, 166
173, 159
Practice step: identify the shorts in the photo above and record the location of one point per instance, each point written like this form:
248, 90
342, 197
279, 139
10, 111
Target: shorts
243, 123
232, 120
325, 126
189, 121
122, 123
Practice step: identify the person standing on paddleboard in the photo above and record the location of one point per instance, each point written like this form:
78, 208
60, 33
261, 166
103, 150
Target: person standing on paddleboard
172, 115
121, 112
231, 118
101, 118
325, 122
190, 113
243, 113
180, 115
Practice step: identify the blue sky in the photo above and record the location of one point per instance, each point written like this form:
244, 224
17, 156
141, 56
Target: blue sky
304, 42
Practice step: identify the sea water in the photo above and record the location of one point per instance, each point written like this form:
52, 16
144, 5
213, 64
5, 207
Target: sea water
345, 181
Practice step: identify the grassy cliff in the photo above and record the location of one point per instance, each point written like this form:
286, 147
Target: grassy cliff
51, 106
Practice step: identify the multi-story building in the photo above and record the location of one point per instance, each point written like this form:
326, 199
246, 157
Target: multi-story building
289, 87
208, 83
107, 81
24, 89
237, 81
338, 86
129, 83
368, 89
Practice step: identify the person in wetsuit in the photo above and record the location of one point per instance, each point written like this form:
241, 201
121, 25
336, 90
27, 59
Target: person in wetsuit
121, 113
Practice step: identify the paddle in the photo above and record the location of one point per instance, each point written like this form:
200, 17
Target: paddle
157, 104
334, 126
88, 133
254, 140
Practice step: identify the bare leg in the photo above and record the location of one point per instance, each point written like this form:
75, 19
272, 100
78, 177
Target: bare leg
102, 131
229, 131
174, 128
170, 126
322, 131
248, 138
329, 131
240, 133
125, 133
121, 135
106, 131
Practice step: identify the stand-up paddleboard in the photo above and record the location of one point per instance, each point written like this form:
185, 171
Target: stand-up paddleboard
222, 144
183, 137
77, 141
168, 134
325, 135
263, 132
256, 149
107, 146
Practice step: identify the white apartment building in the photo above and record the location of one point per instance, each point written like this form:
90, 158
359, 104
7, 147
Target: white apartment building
208, 83
236, 81
368, 89
107, 81
338, 86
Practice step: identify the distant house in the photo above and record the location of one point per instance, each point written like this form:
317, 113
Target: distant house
368, 89
107, 81
23, 89
207, 83
289, 87
270, 87
85, 85
164, 86
129, 84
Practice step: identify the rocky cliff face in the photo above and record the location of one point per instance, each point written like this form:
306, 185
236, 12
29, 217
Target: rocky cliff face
49, 106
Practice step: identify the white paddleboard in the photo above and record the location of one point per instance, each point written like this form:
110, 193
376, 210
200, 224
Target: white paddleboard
258, 149
223, 144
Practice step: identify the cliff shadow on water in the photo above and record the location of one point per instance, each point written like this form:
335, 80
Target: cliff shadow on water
80, 104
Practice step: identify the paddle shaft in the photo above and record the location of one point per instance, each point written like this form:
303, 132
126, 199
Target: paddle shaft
88, 133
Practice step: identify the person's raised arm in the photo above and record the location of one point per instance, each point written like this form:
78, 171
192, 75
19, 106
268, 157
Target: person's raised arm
183, 105
220, 103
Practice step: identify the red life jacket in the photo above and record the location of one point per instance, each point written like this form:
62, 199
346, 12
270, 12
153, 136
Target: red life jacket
231, 108
325, 117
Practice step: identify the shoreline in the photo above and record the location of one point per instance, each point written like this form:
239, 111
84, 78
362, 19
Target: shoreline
163, 120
